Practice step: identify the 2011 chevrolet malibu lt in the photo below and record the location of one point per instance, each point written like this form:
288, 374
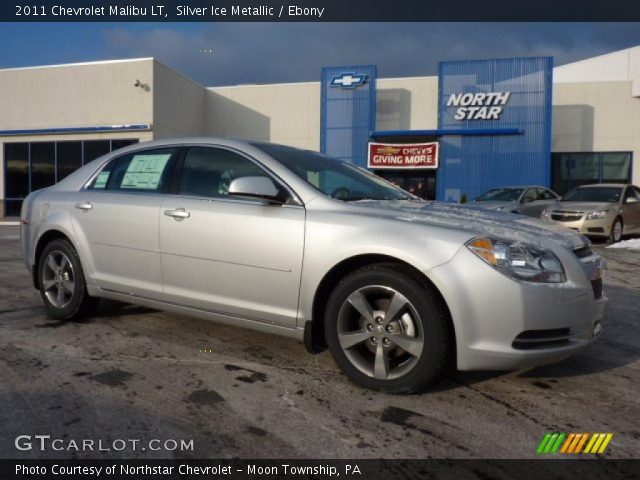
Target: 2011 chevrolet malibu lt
299, 244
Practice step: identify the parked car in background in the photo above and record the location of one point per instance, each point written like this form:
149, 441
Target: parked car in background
528, 200
602, 210
395, 286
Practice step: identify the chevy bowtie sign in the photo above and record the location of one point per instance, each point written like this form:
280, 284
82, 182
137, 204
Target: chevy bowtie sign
414, 155
348, 80
478, 106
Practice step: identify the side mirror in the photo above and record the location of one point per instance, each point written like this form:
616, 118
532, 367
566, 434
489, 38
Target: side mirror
632, 200
526, 200
257, 187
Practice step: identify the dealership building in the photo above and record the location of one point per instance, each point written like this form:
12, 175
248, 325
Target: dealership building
478, 124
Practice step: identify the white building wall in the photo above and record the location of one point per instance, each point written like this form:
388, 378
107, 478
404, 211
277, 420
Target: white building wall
178, 104
407, 103
80, 95
284, 113
597, 117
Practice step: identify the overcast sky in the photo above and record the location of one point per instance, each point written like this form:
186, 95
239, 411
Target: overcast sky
268, 52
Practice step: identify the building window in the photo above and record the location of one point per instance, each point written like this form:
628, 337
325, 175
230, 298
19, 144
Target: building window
69, 155
16, 176
95, 148
32, 166
571, 170
43, 165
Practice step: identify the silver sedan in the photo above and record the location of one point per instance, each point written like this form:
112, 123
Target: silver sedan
299, 244
531, 200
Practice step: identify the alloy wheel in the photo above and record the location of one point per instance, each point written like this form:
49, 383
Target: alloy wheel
617, 231
380, 332
58, 280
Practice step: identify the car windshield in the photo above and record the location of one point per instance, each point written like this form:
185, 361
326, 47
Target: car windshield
333, 177
501, 195
593, 194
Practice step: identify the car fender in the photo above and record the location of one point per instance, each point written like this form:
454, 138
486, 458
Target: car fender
422, 247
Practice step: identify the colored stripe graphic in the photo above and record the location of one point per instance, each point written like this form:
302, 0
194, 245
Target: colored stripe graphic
573, 443
605, 443
581, 443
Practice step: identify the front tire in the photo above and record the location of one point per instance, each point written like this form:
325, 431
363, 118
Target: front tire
62, 284
617, 230
387, 330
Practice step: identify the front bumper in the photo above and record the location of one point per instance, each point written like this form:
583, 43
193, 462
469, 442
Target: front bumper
599, 227
490, 311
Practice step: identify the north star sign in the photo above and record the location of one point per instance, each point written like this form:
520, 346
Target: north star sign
348, 80
478, 106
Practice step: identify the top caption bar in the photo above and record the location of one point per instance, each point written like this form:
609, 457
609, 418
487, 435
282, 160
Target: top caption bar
320, 11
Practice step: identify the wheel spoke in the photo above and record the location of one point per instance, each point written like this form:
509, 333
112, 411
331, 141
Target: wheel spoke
409, 344
351, 339
64, 263
51, 263
69, 286
60, 296
360, 303
381, 367
397, 302
47, 284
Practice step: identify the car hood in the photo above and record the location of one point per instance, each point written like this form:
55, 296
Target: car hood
581, 206
477, 221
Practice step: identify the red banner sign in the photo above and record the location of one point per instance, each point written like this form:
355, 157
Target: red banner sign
403, 155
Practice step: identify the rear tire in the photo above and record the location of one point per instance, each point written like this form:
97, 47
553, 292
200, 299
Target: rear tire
62, 284
617, 230
387, 330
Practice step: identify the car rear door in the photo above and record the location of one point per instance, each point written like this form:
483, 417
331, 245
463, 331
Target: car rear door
115, 220
225, 254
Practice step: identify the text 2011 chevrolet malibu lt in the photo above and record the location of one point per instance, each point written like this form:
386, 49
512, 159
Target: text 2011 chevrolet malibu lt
299, 244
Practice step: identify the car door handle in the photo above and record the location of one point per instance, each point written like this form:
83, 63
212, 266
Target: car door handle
84, 206
178, 213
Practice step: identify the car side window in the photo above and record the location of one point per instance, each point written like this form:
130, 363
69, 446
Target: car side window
530, 195
145, 171
207, 172
544, 194
630, 193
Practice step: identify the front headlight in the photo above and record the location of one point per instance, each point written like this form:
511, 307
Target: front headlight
519, 261
597, 214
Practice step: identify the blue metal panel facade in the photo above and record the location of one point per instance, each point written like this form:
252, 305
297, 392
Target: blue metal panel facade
471, 164
348, 111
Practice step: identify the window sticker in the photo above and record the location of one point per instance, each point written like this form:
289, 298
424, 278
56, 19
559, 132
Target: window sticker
145, 171
101, 180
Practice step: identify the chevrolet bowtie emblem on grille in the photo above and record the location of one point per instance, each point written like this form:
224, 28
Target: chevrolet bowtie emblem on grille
348, 80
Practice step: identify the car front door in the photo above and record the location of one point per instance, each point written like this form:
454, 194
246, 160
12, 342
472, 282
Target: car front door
230, 255
528, 202
115, 221
543, 198
631, 209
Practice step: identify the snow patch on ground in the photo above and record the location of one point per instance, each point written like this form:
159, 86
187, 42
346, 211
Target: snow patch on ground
633, 244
